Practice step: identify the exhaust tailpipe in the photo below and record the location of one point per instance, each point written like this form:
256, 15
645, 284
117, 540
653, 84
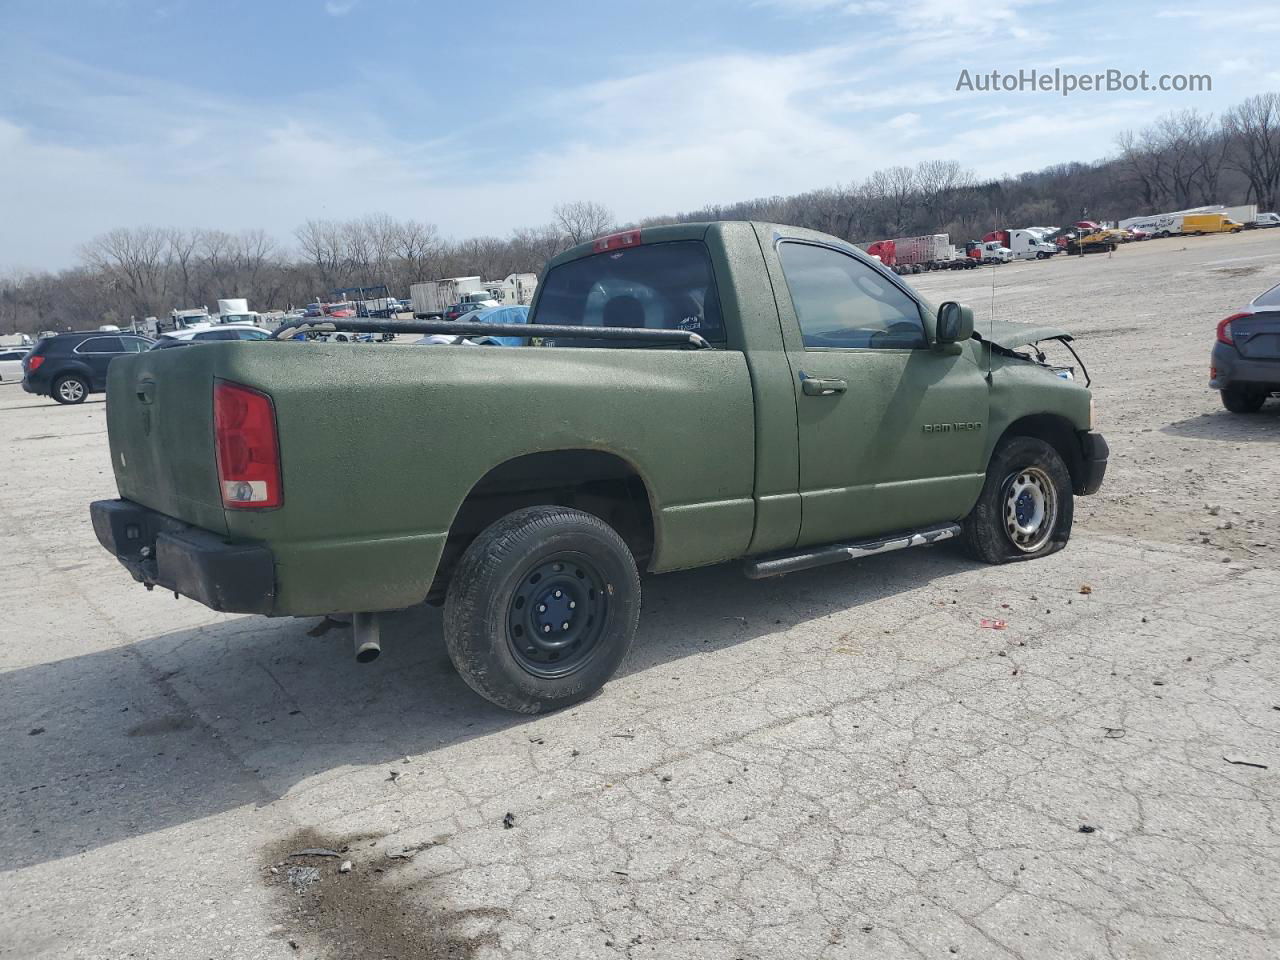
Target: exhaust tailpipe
365, 629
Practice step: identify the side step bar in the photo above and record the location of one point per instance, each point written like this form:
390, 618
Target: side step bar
776, 564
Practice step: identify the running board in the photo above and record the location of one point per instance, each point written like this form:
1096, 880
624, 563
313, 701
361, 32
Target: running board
838, 552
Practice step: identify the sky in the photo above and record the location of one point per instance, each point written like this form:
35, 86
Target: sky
480, 117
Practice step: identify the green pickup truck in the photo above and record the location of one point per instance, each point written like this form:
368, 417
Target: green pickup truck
691, 395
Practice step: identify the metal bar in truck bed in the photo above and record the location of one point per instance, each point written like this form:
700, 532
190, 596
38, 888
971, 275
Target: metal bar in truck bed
461, 328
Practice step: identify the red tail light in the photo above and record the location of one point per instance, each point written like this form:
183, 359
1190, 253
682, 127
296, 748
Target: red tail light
627, 238
1224, 328
33, 363
248, 448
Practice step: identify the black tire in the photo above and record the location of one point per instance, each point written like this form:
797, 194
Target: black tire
510, 581
1242, 401
69, 389
1036, 469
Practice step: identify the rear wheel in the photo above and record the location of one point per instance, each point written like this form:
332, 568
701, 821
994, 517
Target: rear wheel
542, 609
70, 389
1243, 401
1026, 505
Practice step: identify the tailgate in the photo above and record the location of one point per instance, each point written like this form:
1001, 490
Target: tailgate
1257, 335
160, 424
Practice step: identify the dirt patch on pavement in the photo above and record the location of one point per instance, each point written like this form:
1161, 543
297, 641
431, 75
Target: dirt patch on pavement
365, 912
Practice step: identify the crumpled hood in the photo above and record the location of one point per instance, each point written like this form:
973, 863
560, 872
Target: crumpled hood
1013, 335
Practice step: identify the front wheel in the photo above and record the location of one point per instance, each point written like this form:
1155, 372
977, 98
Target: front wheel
1243, 401
70, 389
1026, 505
542, 609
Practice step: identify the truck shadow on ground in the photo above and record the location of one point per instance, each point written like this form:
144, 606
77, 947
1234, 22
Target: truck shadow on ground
135, 739
1263, 426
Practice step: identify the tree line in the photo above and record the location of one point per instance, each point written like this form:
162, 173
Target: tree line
1182, 159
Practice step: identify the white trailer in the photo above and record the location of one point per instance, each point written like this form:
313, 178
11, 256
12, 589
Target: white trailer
516, 289
431, 298
1158, 225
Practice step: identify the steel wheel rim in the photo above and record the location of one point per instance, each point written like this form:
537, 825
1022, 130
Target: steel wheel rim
557, 615
1030, 509
71, 389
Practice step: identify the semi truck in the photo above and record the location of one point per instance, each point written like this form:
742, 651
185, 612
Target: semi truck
431, 298
516, 289
933, 251
235, 310
988, 251
1023, 244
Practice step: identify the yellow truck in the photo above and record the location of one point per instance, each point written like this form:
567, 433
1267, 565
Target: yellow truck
1198, 223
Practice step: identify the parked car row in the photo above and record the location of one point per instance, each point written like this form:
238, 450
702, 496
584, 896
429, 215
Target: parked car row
68, 367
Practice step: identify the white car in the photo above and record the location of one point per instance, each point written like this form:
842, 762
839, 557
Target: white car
1267, 220
11, 364
205, 334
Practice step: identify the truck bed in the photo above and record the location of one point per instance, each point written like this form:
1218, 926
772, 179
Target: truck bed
371, 485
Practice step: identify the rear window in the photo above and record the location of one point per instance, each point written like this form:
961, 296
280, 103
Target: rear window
217, 335
660, 286
1269, 299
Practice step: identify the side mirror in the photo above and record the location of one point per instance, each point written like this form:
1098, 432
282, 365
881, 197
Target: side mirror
955, 323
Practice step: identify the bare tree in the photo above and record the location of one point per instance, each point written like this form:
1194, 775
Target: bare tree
321, 243
583, 219
134, 260
941, 184
1252, 129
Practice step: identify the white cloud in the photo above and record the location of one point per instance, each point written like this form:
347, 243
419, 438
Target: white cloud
111, 149
339, 8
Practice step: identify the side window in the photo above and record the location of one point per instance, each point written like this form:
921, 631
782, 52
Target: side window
844, 303
101, 345
252, 334
217, 335
660, 286
135, 344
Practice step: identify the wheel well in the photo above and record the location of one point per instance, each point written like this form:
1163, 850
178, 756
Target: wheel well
595, 482
1059, 433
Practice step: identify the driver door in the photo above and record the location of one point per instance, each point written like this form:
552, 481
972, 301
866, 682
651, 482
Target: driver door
890, 429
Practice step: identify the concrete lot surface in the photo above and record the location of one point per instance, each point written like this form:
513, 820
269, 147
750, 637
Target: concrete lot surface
837, 764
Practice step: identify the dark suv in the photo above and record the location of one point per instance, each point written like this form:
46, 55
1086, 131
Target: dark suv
70, 366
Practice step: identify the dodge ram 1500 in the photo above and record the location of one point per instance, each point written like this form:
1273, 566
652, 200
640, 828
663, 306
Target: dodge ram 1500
750, 392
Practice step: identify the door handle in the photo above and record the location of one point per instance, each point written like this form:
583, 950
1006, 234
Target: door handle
146, 390
815, 387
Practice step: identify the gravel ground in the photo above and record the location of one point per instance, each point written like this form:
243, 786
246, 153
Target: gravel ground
836, 764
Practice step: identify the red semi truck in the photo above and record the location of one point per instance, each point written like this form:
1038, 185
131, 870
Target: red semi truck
917, 254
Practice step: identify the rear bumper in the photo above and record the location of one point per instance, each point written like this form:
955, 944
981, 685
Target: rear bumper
161, 551
1094, 451
1233, 370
